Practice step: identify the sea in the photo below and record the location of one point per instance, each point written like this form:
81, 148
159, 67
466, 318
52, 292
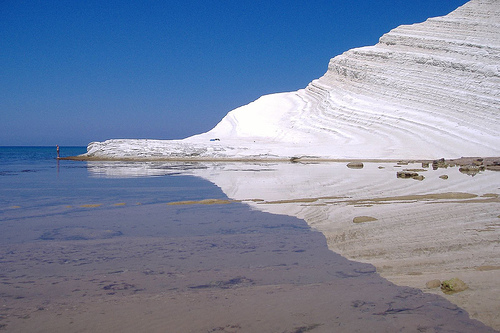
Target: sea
105, 247
33, 177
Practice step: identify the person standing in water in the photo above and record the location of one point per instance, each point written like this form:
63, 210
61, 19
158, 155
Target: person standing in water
57, 147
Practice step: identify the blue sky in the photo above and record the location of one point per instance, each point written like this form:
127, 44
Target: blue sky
72, 72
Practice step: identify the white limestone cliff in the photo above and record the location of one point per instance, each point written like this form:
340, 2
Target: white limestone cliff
425, 90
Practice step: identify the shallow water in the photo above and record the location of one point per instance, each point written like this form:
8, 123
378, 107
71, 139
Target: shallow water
96, 247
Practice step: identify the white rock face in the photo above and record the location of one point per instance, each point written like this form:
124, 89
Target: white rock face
425, 90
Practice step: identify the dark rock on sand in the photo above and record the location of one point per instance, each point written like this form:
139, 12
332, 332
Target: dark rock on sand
409, 174
355, 165
471, 169
441, 163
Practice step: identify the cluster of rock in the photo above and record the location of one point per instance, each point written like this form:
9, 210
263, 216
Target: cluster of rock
469, 165
450, 286
410, 174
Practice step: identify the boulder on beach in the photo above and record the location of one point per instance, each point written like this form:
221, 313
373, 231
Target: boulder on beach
355, 165
433, 284
452, 286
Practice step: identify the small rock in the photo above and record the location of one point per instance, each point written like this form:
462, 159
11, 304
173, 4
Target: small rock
406, 174
441, 163
471, 169
419, 177
355, 165
443, 177
433, 284
452, 286
493, 167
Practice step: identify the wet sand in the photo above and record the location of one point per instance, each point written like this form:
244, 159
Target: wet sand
197, 268
440, 222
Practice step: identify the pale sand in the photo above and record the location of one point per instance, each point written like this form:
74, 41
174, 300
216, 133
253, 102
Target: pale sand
412, 243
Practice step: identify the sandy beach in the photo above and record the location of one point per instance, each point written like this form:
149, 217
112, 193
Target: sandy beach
348, 247
257, 273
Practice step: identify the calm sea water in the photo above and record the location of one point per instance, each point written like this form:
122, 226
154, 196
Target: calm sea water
32, 177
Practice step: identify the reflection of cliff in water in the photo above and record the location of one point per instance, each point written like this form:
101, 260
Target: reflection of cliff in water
120, 169
412, 230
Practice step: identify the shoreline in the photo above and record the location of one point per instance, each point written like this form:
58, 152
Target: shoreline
489, 163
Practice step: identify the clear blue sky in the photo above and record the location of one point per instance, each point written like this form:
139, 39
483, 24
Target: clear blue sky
72, 72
